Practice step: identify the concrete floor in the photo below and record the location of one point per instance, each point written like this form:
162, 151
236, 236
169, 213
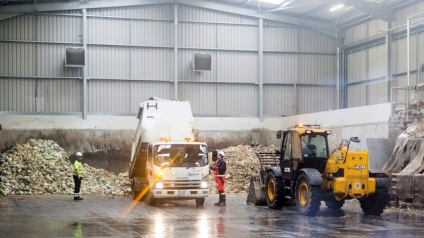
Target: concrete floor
98, 216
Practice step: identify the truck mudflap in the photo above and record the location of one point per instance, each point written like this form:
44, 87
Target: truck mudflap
256, 195
180, 193
313, 176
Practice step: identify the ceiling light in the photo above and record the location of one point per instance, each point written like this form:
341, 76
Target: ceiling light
336, 7
272, 1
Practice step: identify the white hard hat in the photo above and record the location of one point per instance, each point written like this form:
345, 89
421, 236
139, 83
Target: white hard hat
221, 153
79, 154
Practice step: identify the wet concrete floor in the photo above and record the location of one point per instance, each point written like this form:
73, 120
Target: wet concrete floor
100, 216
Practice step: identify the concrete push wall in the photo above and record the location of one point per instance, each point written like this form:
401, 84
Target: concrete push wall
106, 140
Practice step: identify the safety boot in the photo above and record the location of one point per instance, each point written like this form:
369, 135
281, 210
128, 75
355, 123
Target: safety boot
220, 201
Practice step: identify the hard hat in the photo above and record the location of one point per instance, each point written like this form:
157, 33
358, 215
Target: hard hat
79, 154
221, 153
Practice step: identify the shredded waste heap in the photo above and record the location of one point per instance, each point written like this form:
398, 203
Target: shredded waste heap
43, 167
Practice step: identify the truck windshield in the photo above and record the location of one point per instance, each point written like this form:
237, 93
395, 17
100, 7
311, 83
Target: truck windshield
314, 146
180, 155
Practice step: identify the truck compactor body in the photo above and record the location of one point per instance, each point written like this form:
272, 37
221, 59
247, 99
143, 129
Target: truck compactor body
167, 161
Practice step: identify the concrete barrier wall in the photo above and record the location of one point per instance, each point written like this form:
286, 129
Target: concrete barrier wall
109, 137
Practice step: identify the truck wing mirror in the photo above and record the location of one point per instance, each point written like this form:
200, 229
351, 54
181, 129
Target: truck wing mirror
355, 139
214, 155
278, 134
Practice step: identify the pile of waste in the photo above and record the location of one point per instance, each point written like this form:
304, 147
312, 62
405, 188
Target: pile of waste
242, 163
42, 167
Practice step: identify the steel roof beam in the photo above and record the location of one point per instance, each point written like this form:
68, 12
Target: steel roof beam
320, 26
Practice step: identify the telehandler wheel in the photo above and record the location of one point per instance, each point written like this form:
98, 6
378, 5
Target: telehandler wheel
274, 191
199, 202
334, 204
307, 199
375, 203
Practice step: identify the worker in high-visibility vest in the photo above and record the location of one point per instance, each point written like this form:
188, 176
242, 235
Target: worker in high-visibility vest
78, 176
220, 168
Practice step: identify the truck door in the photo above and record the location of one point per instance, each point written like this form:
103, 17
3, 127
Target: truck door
286, 162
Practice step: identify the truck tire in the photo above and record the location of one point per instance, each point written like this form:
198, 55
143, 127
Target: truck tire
274, 191
375, 203
199, 202
334, 204
307, 198
151, 200
136, 196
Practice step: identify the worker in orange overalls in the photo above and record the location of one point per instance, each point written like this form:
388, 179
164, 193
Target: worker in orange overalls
219, 169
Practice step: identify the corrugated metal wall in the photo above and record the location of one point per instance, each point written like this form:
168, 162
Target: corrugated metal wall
130, 57
370, 77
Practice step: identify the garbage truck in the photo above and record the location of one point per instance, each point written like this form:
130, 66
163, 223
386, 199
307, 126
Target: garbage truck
167, 159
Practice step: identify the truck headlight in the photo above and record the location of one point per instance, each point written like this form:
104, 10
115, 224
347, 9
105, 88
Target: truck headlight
204, 184
159, 185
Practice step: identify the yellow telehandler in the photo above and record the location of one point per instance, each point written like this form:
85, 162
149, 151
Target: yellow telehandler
304, 172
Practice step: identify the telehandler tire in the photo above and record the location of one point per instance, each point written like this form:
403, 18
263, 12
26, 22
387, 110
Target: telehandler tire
274, 191
334, 204
375, 203
307, 199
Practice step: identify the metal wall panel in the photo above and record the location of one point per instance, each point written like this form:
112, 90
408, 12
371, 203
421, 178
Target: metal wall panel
154, 11
152, 33
19, 28
202, 97
152, 64
50, 62
17, 94
315, 99
17, 59
108, 62
240, 100
197, 35
399, 55
189, 13
317, 69
281, 68
141, 91
185, 69
58, 95
365, 30
402, 15
237, 67
280, 38
108, 31
312, 41
278, 100
52, 28
357, 66
238, 37
106, 96
357, 95
377, 93
377, 61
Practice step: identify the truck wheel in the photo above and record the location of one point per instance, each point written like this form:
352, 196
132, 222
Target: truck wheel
199, 202
136, 196
375, 203
334, 204
274, 191
152, 201
307, 199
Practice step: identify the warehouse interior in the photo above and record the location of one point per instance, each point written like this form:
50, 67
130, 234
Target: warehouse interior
76, 71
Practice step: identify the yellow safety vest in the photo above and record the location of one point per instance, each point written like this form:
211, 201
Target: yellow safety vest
78, 166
